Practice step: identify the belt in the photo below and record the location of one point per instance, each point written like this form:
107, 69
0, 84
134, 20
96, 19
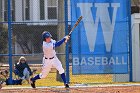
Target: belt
49, 58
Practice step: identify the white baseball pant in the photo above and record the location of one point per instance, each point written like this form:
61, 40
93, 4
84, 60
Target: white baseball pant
48, 64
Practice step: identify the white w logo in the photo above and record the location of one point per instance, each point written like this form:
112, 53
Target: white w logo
91, 25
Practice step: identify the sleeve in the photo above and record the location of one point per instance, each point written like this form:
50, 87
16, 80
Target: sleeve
19, 69
17, 66
58, 43
16, 71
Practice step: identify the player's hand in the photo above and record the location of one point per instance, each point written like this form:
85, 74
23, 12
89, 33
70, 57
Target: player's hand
67, 38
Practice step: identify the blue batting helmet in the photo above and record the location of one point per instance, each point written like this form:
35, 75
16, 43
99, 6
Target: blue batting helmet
46, 34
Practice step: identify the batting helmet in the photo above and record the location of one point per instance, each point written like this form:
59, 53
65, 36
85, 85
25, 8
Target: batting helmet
46, 34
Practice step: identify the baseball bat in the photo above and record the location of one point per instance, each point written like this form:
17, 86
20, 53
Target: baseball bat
75, 25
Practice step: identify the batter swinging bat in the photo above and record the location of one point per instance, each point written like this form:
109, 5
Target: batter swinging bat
77, 22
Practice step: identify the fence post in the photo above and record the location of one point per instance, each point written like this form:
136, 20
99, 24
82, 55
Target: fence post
66, 33
130, 45
10, 40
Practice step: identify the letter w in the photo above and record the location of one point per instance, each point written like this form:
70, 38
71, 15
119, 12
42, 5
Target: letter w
91, 25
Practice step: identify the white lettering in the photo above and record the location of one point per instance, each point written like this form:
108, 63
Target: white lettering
117, 61
104, 60
111, 61
83, 61
102, 15
75, 61
90, 61
97, 60
123, 62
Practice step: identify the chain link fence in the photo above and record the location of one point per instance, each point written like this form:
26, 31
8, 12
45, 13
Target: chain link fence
3, 42
29, 18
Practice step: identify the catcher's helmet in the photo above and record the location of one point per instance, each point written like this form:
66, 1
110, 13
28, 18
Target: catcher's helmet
46, 34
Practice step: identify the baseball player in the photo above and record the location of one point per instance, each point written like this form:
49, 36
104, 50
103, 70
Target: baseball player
50, 59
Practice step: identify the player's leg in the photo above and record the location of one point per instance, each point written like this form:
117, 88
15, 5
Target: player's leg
26, 74
57, 64
43, 74
45, 70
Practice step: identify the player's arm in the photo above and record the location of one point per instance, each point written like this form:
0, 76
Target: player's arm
58, 43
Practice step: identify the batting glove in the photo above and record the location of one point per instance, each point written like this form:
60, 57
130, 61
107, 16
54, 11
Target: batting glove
67, 38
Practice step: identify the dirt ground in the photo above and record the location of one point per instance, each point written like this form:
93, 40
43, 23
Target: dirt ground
111, 89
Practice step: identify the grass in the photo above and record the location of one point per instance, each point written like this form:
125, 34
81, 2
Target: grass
50, 80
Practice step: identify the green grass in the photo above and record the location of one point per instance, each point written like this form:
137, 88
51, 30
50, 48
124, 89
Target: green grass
50, 80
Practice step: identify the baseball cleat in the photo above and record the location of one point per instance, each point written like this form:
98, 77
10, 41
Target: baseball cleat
66, 86
32, 83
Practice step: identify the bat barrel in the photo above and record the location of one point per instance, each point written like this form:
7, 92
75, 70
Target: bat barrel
77, 22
